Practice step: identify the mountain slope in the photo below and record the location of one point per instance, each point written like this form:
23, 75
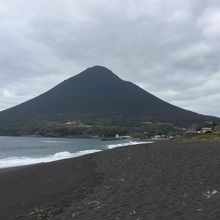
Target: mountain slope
98, 91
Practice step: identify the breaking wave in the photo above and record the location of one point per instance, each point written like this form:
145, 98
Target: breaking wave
52, 141
22, 161
111, 146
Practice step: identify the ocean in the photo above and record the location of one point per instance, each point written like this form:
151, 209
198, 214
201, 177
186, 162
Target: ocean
20, 151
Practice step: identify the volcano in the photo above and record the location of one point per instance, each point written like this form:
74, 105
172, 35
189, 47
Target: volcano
98, 91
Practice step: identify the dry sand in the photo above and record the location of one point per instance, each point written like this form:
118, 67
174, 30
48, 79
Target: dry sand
164, 181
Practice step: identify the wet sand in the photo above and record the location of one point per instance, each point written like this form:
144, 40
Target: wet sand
164, 180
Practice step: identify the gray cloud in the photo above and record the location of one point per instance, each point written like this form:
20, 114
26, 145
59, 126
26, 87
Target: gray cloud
170, 48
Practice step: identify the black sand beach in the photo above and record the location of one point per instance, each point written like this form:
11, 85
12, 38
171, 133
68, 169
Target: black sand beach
164, 181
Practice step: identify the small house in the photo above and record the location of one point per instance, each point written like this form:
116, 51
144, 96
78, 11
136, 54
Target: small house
206, 130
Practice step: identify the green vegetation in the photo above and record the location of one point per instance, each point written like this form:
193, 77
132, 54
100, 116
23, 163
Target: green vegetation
199, 137
205, 137
217, 128
90, 127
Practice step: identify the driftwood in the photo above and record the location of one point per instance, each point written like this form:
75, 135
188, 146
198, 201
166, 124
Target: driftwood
46, 213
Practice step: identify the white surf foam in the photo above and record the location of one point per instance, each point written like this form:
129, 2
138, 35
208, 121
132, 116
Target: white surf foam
52, 141
22, 161
111, 146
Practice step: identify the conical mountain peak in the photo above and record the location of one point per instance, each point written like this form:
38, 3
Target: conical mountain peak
98, 91
98, 68
97, 73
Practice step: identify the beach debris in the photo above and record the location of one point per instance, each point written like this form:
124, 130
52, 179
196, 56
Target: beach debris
29, 214
122, 180
32, 213
199, 210
210, 194
96, 204
133, 212
185, 195
214, 192
46, 213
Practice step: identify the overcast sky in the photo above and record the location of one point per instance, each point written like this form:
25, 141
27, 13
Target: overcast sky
169, 48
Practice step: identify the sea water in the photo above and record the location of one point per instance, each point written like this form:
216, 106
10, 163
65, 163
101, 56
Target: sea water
20, 151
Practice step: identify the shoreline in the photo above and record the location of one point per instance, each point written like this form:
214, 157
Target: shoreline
61, 154
63, 159
163, 180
